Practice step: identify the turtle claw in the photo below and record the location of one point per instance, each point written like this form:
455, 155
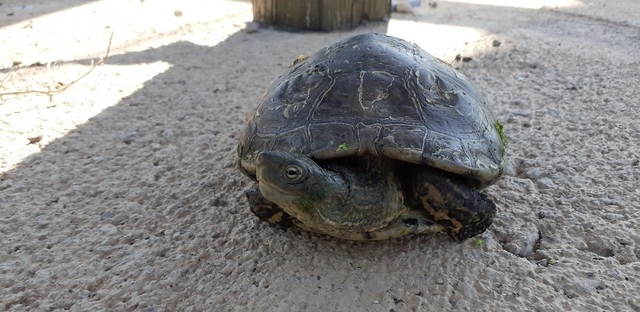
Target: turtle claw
267, 210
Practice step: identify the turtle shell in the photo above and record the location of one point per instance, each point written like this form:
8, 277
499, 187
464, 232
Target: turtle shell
377, 95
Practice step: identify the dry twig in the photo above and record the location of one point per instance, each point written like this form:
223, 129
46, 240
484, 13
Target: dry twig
50, 92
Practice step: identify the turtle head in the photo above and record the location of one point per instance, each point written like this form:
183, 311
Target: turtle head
300, 186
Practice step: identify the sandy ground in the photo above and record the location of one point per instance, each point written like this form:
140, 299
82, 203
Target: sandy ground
131, 201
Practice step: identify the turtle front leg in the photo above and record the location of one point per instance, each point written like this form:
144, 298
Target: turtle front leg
402, 226
267, 210
462, 209
406, 224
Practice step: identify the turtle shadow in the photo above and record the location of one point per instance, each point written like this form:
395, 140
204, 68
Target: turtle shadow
154, 174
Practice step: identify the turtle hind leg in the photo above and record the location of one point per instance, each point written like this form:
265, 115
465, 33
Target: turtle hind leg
455, 204
267, 210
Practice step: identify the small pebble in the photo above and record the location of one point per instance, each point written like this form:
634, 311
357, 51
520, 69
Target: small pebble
251, 27
35, 139
129, 138
403, 7
545, 183
109, 229
533, 173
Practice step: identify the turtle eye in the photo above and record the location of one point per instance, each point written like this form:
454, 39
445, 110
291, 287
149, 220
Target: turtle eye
293, 173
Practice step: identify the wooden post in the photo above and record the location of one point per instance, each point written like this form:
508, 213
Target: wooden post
323, 15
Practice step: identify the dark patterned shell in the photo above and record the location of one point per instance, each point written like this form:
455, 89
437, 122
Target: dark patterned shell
377, 95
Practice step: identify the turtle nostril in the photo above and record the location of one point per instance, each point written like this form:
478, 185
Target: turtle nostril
263, 157
267, 157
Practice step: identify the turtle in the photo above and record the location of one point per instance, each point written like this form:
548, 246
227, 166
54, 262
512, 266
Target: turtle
373, 138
